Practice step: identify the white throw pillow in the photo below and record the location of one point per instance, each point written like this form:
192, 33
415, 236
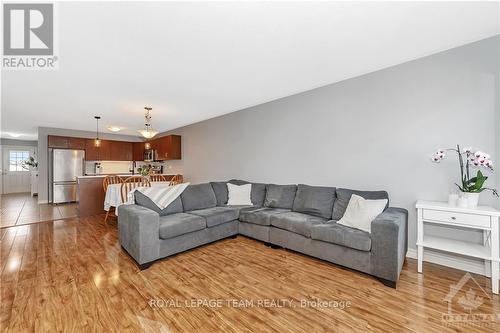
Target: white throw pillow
361, 212
239, 194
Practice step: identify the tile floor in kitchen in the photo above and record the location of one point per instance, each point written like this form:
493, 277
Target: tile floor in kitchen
22, 208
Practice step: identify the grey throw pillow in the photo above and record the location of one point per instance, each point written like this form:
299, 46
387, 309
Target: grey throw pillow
174, 207
280, 196
199, 196
220, 189
314, 200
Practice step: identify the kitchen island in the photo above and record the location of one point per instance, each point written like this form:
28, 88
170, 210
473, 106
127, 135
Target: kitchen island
91, 193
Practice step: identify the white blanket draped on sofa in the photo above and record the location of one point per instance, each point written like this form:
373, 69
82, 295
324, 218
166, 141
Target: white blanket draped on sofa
162, 196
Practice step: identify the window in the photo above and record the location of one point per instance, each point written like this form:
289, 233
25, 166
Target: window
17, 159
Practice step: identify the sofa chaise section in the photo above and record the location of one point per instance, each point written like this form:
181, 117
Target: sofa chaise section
380, 253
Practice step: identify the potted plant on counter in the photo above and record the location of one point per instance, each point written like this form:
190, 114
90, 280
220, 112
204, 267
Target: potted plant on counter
470, 185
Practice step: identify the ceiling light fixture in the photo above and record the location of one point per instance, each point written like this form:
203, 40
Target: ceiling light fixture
97, 141
114, 128
148, 132
15, 135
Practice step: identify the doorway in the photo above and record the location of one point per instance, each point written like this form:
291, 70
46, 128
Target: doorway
15, 174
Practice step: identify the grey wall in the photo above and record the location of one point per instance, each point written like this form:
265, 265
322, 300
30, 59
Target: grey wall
44, 132
372, 132
13, 142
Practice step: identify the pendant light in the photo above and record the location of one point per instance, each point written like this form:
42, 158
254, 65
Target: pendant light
97, 141
148, 132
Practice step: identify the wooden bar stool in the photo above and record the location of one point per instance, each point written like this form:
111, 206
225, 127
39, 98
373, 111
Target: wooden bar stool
132, 183
108, 180
157, 178
177, 179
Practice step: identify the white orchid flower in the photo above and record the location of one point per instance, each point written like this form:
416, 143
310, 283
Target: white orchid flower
438, 156
481, 155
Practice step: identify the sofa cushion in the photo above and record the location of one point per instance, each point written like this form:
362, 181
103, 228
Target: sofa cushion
258, 193
175, 207
260, 216
280, 196
342, 235
296, 222
239, 194
199, 196
181, 223
314, 200
220, 190
344, 195
217, 215
361, 212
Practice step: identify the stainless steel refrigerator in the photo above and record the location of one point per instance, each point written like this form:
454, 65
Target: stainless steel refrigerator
65, 165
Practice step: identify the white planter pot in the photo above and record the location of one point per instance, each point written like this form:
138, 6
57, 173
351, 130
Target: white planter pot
472, 199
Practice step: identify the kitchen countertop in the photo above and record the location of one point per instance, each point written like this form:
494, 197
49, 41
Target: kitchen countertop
116, 174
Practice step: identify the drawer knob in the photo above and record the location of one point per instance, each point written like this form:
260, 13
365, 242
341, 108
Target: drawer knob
453, 218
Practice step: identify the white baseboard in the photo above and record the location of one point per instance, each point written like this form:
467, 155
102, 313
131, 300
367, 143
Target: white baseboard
40, 202
449, 260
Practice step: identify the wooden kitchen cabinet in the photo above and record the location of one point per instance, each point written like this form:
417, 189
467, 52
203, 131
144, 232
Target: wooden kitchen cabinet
167, 147
91, 151
65, 142
120, 151
109, 150
76, 143
105, 150
138, 151
57, 141
91, 196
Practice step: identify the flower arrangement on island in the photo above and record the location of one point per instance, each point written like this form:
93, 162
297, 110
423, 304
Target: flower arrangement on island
144, 170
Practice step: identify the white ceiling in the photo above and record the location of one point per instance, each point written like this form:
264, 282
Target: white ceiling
194, 61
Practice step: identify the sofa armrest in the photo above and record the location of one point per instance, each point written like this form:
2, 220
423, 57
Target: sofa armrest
139, 232
389, 232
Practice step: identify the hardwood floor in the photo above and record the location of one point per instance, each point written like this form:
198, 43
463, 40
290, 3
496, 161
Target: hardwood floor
22, 208
72, 276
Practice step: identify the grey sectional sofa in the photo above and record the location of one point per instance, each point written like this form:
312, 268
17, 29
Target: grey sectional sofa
300, 218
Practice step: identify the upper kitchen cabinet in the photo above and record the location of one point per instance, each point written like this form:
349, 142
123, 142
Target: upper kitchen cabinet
108, 151
138, 151
167, 147
120, 151
92, 153
65, 142
105, 150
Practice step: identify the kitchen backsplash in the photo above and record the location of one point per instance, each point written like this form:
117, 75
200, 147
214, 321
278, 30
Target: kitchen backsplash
108, 167
120, 167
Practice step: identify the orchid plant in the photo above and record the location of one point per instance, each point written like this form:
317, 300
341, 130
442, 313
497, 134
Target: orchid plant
467, 159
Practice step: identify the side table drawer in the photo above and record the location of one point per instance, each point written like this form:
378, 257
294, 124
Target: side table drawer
458, 218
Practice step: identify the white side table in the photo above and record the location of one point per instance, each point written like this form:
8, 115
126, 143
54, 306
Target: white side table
480, 218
